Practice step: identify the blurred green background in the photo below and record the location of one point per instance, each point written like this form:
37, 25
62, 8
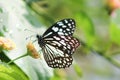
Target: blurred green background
97, 28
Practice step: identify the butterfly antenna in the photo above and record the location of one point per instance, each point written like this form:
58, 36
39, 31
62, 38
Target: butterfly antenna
34, 41
29, 30
29, 37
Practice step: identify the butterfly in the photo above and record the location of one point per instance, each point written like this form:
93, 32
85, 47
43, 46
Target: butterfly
58, 44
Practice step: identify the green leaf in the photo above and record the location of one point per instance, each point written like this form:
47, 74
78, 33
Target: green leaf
115, 27
4, 76
115, 33
85, 25
59, 74
78, 70
35, 69
11, 73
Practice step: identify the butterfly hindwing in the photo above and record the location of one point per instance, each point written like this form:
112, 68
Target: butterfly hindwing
56, 58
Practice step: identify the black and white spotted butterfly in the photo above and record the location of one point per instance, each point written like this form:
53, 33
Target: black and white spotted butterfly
58, 44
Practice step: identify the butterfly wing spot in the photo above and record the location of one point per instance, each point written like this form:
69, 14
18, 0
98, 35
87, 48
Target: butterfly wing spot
68, 46
60, 23
69, 25
69, 32
60, 30
66, 34
64, 31
53, 62
72, 22
72, 30
55, 29
66, 21
60, 61
66, 55
64, 62
62, 42
57, 38
69, 38
73, 41
67, 59
68, 29
73, 26
48, 34
56, 64
64, 26
51, 65
56, 43
60, 33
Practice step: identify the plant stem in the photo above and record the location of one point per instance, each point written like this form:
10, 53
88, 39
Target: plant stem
110, 59
113, 61
17, 58
115, 53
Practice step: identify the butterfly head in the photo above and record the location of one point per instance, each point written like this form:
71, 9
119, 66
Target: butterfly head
40, 40
38, 36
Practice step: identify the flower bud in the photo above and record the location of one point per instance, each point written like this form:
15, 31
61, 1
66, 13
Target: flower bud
112, 5
32, 51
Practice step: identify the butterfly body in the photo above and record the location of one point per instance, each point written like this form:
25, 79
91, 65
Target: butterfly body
58, 44
41, 41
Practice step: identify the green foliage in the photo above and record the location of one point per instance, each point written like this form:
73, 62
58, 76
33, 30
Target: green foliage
97, 31
34, 69
115, 28
59, 75
78, 70
86, 26
1, 10
115, 33
11, 72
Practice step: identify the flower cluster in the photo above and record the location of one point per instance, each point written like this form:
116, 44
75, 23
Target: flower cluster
6, 43
32, 51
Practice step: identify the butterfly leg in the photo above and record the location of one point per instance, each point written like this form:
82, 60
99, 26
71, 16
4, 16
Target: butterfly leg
40, 51
34, 41
29, 37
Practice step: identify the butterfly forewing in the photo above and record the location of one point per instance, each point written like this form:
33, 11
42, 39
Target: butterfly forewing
63, 27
